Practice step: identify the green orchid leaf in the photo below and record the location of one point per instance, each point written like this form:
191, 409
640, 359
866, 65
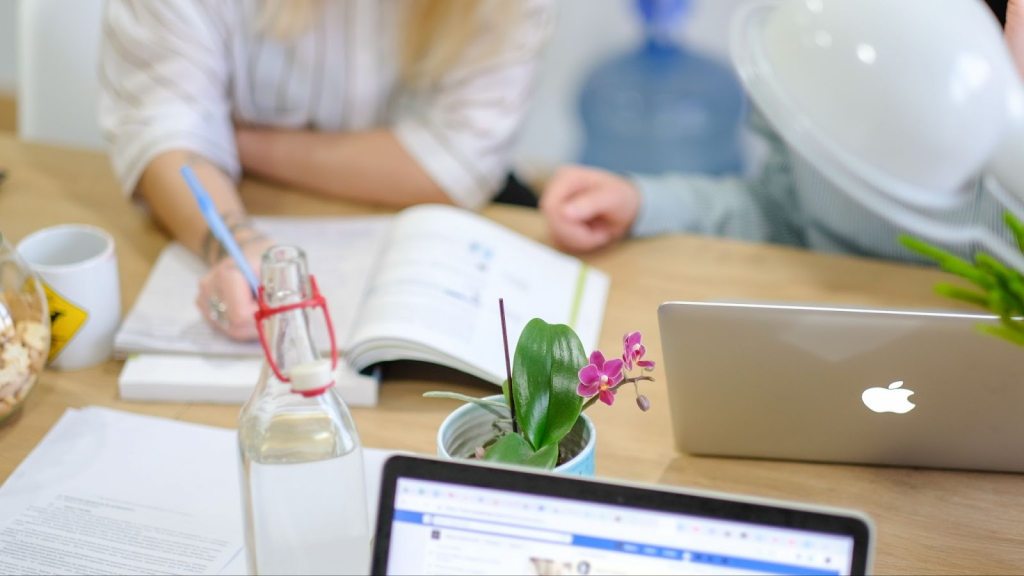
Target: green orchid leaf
504, 390
514, 449
565, 403
497, 408
545, 375
546, 457
531, 374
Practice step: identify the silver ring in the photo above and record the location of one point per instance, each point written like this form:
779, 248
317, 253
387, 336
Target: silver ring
218, 311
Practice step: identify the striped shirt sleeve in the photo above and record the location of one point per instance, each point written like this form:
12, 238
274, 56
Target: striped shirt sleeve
464, 134
163, 85
762, 209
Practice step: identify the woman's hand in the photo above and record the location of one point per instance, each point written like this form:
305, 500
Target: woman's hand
225, 297
1015, 32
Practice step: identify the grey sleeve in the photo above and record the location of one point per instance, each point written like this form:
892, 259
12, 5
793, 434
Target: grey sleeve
763, 209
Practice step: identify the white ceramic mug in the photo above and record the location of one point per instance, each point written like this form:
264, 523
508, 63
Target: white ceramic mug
78, 267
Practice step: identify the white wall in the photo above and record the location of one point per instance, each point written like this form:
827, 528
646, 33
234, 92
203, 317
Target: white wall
7, 74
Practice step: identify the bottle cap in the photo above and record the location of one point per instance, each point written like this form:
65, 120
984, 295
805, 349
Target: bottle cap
663, 15
312, 378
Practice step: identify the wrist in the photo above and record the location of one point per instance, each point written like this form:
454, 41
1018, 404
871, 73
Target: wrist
242, 230
254, 247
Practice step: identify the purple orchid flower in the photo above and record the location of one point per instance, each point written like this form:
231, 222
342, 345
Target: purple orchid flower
633, 352
599, 377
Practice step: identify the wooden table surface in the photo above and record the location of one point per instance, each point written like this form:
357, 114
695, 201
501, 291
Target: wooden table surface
928, 521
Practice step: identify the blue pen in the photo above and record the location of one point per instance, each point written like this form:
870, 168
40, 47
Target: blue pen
218, 228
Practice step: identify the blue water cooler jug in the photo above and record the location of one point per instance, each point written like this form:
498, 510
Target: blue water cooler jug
662, 106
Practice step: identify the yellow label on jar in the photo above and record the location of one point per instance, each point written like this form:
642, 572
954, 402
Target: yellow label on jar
66, 320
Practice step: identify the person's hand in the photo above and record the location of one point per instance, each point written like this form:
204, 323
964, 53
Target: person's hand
587, 208
1015, 32
225, 298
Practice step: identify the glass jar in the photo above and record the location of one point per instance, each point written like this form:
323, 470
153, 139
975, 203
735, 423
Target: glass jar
24, 330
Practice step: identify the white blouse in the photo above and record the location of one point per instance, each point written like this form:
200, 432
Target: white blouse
179, 74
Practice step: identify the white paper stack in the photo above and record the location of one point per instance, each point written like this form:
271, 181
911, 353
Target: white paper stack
217, 380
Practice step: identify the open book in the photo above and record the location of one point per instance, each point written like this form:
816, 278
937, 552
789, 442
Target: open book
421, 285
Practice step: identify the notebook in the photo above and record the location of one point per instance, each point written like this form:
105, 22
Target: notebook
443, 517
422, 285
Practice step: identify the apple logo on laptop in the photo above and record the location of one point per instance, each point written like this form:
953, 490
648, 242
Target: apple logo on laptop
895, 398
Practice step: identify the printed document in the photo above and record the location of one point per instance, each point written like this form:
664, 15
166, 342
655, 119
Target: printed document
108, 492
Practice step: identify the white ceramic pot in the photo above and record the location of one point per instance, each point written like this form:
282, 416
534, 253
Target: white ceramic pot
471, 425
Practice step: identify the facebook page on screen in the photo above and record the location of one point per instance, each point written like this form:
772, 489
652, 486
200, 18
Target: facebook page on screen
441, 528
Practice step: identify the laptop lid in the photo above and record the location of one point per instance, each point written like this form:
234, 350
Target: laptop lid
443, 517
843, 385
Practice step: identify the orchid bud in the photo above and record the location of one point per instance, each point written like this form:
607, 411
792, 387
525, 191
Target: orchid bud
643, 403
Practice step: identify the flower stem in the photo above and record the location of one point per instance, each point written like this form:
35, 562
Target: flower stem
615, 388
508, 368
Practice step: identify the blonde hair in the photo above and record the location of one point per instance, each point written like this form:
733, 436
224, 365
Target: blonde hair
435, 34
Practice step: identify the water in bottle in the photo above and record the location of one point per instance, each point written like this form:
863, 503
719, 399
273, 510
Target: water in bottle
302, 464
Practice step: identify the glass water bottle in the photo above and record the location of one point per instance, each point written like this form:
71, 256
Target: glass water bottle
302, 464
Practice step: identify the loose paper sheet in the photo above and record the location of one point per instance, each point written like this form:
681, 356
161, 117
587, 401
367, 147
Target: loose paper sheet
108, 492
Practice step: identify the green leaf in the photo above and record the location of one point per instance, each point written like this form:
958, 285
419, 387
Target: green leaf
1005, 280
564, 408
948, 262
514, 449
545, 376
497, 408
531, 373
1003, 286
1003, 332
1016, 227
957, 293
1012, 324
504, 390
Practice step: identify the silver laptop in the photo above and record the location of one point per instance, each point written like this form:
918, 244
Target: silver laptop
843, 385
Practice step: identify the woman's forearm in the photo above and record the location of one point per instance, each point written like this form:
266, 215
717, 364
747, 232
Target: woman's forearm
370, 167
175, 208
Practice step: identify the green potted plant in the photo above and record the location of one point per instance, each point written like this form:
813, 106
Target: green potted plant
539, 419
997, 288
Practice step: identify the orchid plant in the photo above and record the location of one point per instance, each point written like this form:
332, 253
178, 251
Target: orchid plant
552, 383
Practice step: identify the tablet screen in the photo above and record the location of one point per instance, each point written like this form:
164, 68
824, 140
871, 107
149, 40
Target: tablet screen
446, 528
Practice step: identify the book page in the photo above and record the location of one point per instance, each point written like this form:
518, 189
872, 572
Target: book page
341, 253
440, 278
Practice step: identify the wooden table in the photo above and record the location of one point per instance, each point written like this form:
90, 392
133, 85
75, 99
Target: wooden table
928, 521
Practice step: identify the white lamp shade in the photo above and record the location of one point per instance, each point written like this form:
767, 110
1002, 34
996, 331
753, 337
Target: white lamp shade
908, 98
